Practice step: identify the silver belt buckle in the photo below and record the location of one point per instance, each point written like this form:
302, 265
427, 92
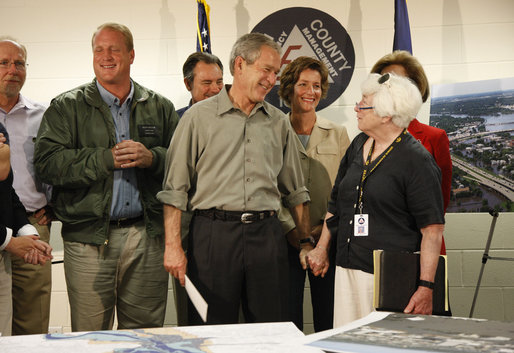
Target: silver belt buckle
246, 218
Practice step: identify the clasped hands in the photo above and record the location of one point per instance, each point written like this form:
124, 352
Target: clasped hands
130, 154
30, 249
315, 258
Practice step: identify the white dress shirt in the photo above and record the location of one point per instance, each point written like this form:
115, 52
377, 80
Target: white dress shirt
22, 124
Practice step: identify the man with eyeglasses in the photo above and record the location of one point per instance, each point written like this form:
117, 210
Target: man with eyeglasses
31, 284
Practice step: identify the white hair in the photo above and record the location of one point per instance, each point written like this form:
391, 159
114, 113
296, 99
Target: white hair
394, 96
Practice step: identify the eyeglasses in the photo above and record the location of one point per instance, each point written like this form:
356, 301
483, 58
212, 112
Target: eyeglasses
359, 108
18, 64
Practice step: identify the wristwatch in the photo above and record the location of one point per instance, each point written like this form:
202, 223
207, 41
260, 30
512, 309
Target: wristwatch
308, 240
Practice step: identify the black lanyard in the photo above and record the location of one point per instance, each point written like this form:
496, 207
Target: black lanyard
366, 172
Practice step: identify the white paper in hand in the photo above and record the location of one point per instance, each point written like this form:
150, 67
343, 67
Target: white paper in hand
197, 299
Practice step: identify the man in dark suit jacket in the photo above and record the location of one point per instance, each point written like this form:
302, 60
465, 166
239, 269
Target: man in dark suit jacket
17, 236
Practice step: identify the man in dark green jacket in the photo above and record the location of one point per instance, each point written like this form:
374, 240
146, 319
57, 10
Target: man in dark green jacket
102, 146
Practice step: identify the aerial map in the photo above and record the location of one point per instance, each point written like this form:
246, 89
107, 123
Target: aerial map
478, 118
270, 337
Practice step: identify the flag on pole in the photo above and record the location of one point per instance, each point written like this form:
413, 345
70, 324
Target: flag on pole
203, 38
402, 39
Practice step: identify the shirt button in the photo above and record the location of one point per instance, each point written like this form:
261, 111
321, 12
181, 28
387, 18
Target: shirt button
248, 160
348, 240
354, 205
351, 222
249, 140
248, 180
357, 187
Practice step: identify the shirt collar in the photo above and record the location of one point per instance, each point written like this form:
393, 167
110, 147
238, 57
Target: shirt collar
22, 104
225, 104
110, 99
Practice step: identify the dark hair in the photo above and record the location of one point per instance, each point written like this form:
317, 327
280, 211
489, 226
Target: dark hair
291, 74
193, 59
412, 67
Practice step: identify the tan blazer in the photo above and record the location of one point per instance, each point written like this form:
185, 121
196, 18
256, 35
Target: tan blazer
320, 161
328, 144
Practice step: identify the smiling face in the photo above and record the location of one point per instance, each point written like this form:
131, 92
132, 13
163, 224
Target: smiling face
207, 81
260, 77
11, 78
307, 92
111, 58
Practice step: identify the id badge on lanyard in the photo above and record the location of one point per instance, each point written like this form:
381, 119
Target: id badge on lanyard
360, 228
361, 220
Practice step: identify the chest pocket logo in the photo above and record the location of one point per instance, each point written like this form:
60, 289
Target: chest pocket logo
147, 130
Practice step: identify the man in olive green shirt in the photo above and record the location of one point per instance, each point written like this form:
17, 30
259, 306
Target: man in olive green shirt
232, 158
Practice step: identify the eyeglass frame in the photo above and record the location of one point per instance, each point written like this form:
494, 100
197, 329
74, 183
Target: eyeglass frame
359, 108
20, 65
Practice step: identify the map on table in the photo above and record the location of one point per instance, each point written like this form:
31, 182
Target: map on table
268, 337
387, 332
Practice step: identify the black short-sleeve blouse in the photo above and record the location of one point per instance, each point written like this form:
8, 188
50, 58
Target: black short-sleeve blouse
401, 196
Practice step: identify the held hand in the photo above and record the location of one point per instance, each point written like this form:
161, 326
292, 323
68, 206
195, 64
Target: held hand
316, 232
304, 252
130, 154
44, 216
318, 261
420, 302
175, 262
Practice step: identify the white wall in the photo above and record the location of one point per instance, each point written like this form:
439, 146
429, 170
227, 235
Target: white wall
456, 41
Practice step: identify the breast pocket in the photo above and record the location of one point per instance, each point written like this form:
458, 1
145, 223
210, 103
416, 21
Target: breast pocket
326, 149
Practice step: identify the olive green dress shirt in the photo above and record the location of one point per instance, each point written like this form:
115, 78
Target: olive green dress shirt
221, 158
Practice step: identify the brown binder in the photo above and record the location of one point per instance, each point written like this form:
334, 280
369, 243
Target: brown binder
396, 276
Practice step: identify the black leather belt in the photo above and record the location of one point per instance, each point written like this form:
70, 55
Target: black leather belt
125, 222
245, 217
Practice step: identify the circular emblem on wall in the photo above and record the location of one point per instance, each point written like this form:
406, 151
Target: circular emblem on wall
304, 31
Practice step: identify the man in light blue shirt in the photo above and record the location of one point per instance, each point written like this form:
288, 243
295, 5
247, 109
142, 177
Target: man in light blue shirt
31, 285
102, 147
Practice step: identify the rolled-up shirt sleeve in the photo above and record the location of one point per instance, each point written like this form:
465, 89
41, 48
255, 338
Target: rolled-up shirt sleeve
179, 167
291, 181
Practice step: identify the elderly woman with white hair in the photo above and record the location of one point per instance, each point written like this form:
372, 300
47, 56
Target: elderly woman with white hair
387, 195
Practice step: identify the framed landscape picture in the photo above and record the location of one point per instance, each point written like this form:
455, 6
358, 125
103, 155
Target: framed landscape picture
478, 118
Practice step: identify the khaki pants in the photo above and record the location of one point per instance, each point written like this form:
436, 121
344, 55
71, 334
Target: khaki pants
353, 295
31, 290
127, 274
5, 294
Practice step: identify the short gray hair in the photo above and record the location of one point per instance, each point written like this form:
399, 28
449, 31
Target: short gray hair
394, 96
15, 42
249, 46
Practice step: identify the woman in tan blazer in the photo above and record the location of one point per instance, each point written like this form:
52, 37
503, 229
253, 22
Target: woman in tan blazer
321, 144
